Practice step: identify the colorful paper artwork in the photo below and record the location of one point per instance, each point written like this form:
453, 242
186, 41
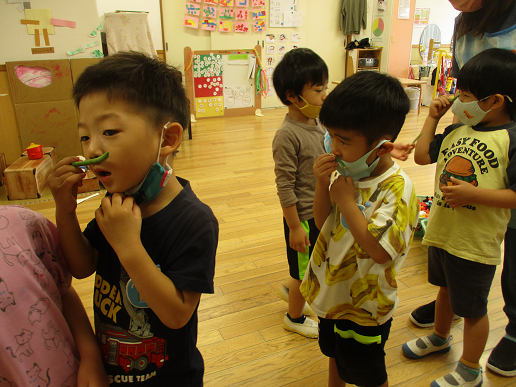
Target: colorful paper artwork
209, 24
270, 38
242, 14
227, 3
259, 13
208, 11
209, 107
193, 9
226, 13
270, 50
271, 61
241, 26
259, 25
191, 21
225, 26
258, 3
282, 50
212, 2
242, 3
197, 1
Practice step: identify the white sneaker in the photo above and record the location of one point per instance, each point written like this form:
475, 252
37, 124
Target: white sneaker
309, 328
283, 294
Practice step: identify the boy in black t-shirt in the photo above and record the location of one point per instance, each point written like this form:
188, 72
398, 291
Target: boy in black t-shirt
152, 242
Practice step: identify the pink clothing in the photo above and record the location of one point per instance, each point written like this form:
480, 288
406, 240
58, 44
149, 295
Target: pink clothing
37, 347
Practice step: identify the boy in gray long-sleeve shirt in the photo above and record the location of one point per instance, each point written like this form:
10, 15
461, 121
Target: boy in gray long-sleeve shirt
300, 81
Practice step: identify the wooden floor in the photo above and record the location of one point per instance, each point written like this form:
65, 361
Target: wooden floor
241, 337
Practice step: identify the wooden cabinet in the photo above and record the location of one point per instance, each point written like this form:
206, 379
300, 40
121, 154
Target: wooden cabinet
352, 59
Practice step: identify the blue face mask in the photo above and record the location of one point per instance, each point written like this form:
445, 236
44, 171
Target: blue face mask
357, 169
154, 181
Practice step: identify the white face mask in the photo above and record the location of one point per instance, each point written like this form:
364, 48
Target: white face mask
469, 113
357, 169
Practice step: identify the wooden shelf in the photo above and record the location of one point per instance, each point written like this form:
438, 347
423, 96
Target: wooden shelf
352, 57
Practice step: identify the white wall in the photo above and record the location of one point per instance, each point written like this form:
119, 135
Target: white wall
17, 43
151, 6
441, 13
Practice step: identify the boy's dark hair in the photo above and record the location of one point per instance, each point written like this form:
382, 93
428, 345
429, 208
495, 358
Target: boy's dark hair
149, 85
298, 68
369, 103
490, 72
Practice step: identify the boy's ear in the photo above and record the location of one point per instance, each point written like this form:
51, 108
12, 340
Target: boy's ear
496, 101
292, 97
172, 138
385, 148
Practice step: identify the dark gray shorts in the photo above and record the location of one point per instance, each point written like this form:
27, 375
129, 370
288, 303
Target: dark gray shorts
468, 282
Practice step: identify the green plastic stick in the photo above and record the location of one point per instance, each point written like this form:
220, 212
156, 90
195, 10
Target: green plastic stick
454, 98
417, 138
91, 161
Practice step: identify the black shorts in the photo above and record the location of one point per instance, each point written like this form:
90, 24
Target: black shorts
468, 282
358, 351
298, 262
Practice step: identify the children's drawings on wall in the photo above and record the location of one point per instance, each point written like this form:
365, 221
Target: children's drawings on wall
269, 72
225, 26
241, 26
280, 57
227, 3
282, 50
271, 50
259, 25
207, 65
284, 13
209, 12
213, 2
270, 38
209, 24
258, 3
259, 13
242, 3
191, 21
193, 9
242, 14
237, 96
295, 37
282, 38
271, 61
226, 13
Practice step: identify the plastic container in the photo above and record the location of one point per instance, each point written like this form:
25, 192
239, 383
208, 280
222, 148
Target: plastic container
34, 151
413, 94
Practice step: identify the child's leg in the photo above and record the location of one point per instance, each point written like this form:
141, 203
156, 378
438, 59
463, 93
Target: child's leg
476, 331
296, 301
333, 376
443, 314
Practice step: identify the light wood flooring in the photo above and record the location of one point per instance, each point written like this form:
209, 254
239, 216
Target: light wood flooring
241, 337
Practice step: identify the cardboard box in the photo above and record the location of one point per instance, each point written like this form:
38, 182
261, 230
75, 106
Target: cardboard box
47, 150
59, 89
2, 168
26, 178
89, 183
51, 124
79, 64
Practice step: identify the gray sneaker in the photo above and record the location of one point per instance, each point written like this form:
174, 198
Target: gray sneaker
309, 328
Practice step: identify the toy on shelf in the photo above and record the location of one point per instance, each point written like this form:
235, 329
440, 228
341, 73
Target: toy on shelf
425, 202
34, 151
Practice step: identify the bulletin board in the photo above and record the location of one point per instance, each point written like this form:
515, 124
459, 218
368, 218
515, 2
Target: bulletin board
222, 83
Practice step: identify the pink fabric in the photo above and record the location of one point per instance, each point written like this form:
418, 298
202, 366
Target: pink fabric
34, 76
37, 345
128, 31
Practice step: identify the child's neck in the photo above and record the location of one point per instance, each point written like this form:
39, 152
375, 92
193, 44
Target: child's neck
296, 115
167, 194
496, 119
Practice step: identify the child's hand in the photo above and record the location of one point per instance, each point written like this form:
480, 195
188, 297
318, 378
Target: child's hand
459, 194
63, 182
324, 166
342, 191
92, 373
439, 106
120, 220
298, 240
402, 151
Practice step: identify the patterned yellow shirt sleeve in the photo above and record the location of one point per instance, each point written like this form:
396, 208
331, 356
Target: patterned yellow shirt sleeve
341, 281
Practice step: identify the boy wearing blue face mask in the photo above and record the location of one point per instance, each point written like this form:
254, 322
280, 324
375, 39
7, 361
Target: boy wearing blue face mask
152, 242
475, 187
300, 81
367, 210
